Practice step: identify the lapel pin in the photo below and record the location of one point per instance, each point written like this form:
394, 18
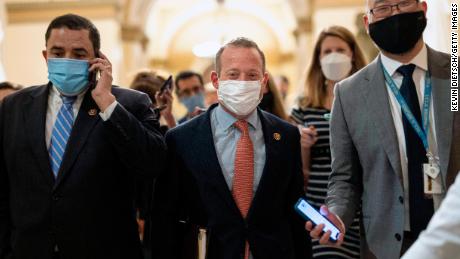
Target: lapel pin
92, 112
277, 136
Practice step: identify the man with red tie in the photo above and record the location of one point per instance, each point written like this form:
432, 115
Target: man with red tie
236, 171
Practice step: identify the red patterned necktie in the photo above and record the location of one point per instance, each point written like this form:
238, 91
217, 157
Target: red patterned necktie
244, 173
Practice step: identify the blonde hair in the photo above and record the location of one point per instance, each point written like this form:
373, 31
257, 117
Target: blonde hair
315, 88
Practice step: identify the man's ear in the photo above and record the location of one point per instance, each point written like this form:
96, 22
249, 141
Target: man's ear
215, 79
265, 82
366, 22
45, 55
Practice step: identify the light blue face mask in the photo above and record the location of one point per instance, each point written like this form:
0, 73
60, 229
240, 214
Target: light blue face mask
193, 101
69, 76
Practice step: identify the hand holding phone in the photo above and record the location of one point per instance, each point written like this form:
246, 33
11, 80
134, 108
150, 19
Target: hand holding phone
166, 85
326, 227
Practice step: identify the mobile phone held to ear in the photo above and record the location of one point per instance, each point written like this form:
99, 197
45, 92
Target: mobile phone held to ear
92, 76
309, 213
166, 85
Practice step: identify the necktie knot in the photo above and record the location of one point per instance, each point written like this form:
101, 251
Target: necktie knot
68, 99
242, 126
406, 70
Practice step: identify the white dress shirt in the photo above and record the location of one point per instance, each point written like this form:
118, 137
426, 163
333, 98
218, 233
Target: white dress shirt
54, 105
441, 239
421, 63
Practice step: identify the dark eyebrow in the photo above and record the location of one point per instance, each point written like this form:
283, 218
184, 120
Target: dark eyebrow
80, 50
57, 49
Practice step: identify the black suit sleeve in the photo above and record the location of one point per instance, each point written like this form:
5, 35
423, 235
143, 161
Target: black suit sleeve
302, 241
4, 196
168, 207
135, 136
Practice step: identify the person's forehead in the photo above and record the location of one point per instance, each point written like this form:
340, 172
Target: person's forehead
67, 37
379, 2
241, 56
189, 82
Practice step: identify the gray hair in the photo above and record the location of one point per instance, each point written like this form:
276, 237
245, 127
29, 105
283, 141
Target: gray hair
240, 42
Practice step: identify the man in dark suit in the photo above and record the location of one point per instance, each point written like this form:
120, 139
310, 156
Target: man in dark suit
69, 154
236, 171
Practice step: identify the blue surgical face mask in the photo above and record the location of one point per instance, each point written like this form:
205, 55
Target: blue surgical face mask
69, 76
193, 101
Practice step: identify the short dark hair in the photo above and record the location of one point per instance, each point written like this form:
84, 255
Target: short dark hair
9, 86
185, 75
240, 42
75, 22
148, 82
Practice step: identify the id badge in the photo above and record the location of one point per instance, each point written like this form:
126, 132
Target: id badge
432, 182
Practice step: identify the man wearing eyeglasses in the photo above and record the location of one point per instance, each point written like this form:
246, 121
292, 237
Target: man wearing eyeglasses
391, 133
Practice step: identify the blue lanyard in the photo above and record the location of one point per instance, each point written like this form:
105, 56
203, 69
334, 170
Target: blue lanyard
423, 134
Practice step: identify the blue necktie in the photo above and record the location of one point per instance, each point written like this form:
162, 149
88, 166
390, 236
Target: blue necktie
421, 208
61, 133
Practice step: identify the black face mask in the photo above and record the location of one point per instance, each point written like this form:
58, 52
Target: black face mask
399, 33
267, 102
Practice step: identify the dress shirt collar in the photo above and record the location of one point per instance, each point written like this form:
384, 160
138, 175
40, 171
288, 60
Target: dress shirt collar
226, 120
420, 60
54, 93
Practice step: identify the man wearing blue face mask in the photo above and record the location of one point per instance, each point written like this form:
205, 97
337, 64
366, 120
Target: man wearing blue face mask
391, 134
69, 154
190, 91
235, 171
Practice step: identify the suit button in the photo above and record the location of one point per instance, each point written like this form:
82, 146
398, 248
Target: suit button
401, 199
398, 237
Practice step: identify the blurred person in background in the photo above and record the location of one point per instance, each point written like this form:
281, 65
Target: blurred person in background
271, 101
7, 88
190, 91
150, 82
336, 56
282, 83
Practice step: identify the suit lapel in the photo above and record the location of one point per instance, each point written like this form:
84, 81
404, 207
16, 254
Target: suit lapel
378, 104
439, 69
210, 164
34, 114
84, 124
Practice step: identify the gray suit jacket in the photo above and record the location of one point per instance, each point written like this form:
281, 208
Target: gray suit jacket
366, 163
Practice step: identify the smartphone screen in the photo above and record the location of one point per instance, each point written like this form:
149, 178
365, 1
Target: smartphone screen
309, 213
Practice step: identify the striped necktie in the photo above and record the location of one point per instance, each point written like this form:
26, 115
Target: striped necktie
244, 173
61, 133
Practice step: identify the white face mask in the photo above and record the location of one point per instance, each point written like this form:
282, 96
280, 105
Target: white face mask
336, 66
239, 97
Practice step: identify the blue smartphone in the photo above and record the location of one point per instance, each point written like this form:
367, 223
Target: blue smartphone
309, 213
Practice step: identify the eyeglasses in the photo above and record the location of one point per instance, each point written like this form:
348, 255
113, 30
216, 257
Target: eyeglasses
384, 11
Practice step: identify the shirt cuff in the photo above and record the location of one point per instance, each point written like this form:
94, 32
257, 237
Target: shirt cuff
108, 112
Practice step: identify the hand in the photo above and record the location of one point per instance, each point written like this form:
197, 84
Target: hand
164, 102
317, 231
141, 227
308, 137
102, 93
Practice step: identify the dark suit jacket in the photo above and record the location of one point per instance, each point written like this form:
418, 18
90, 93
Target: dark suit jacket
195, 191
88, 210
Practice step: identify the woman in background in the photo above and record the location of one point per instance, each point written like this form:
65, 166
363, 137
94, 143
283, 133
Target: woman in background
336, 56
271, 101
